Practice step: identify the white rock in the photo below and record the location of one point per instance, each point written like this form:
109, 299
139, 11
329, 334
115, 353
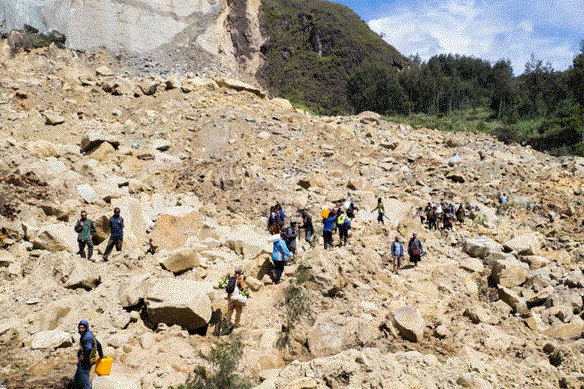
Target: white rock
87, 193
6, 258
480, 247
116, 381
526, 244
51, 340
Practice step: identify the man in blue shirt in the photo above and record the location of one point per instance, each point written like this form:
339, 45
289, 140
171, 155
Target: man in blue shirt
117, 233
397, 252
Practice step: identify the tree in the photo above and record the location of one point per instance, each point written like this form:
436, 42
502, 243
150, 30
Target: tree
375, 89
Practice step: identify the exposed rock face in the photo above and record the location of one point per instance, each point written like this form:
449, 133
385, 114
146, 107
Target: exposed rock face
138, 26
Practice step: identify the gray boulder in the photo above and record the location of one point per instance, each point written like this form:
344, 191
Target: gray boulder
481, 247
526, 244
182, 302
409, 323
56, 237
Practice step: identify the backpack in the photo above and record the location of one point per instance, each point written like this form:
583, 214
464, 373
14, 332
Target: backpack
230, 288
96, 352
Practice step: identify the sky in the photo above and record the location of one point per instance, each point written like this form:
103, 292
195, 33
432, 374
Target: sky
490, 29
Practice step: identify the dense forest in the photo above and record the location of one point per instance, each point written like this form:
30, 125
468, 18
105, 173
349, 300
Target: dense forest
542, 107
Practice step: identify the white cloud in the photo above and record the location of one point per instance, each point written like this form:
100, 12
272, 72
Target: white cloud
487, 29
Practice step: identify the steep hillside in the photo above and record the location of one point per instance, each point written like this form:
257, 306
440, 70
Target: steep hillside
313, 47
194, 164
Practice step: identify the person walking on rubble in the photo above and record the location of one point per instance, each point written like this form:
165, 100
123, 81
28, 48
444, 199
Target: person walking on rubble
116, 239
307, 226
85, 231
380, 211
415, 249
87, 355
397, 253
236, 299
280, 255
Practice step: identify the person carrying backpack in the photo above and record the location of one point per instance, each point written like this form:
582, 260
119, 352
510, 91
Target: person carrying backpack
415, 249
307, 227
289, 236
236, 300
397, 253
328, 224
280, 254
86, 356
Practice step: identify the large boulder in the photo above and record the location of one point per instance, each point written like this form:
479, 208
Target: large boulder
333, 333
85, 275
56, 237
247, 242
133, 290
526, 244
480, 247
180, 260
6, 258
182, 302
172, 232
510, 272
51, 339
409, 323
136, 220
572, 330
52, 316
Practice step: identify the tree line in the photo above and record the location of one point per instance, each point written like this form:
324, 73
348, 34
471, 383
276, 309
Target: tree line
447, 83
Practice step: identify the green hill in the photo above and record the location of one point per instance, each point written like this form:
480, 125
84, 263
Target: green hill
314, 47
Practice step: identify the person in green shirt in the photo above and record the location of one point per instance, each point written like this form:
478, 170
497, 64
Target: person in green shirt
85, 231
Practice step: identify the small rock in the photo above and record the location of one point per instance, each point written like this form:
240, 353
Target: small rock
52, 119
104, 71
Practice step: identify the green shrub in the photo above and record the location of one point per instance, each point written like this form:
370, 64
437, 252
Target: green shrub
297, 306
224, 359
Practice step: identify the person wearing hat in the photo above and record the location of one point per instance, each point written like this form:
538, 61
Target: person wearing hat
88, 343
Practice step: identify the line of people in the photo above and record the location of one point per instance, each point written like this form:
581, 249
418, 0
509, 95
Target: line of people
441, 215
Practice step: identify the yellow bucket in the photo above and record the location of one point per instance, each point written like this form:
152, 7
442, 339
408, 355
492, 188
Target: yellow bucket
325, 213
103, 366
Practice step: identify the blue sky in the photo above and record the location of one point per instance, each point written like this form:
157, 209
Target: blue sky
489, 29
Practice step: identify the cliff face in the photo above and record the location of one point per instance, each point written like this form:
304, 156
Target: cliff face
228, 30
135, 25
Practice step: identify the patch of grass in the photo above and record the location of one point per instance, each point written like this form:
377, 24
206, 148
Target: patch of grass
224, 359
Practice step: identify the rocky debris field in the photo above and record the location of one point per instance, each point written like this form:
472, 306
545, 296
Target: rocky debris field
194, 164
